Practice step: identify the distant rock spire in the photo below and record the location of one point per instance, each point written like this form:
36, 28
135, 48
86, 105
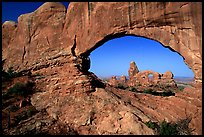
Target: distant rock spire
132, 70
123, 79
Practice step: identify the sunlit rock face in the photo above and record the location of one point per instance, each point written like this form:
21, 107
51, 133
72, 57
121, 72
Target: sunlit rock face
177, 25
55, 43
137, 77
35, 42
113, 81
133, 70
44, 37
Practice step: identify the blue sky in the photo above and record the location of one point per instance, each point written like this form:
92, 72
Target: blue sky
114, 56
11, 10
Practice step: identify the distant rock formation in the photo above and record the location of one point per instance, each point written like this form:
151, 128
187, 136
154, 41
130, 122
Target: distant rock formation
44, 37
137, 77
123, 79
133, 70
113, 81
167, 78
56, 42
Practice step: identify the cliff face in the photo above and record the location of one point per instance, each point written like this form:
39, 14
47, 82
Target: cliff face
35, 39
175, 25
51, 32
56, 43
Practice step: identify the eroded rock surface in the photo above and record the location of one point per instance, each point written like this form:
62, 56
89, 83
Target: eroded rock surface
55, 44
175, 25
143, 78
113, 81
133, 70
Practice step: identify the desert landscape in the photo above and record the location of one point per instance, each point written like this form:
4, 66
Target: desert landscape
47, 88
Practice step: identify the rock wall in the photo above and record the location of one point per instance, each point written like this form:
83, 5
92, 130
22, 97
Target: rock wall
35, 42
143, 78
46, 36
177, 25
55, 43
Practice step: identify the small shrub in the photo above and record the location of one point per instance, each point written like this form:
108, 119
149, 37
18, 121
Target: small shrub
29, 73
12, 73
21, 89
164, 94
121, 86
148, 91
183, 126
168, 128
168, 93
133, 89
181, 88
31, 110
5, 96
6, 76
152, 125
13, 108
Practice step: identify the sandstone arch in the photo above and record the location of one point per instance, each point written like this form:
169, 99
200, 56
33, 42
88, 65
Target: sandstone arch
175, 25
55, 36
143, 77
55, 41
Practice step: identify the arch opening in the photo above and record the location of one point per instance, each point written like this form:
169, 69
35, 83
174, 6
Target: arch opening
146, 65
150, 77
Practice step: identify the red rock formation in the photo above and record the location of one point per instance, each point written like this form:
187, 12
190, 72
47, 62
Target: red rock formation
165, 22
123, 79
113, 81
56, 43
184, 104
168, 75
8, 34
142, 77
133, 70
36, 41
170, 28
156, 77
167, 78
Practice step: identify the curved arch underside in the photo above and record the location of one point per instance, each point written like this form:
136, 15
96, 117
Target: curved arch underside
175, 25
55, 41
52, 32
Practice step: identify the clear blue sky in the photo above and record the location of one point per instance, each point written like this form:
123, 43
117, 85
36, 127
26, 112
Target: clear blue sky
11, 10
114, 56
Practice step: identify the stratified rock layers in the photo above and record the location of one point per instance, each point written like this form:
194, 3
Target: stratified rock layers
48, 33
174, 24
56, 43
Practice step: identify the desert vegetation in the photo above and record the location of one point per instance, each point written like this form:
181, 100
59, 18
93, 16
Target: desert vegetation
55, 43
181, 127
16, 95
152, 91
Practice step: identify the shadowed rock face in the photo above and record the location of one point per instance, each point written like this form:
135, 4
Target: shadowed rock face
175, 25
56, 43
50, 32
